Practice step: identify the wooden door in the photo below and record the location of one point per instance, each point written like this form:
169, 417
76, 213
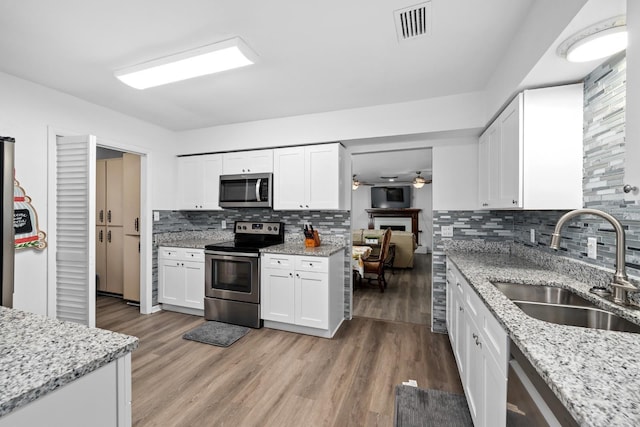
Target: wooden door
131, 278
114, 192
131, 194
115, 260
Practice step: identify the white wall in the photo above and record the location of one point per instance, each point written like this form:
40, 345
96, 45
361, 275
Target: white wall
26, 112
455, 176
451, 113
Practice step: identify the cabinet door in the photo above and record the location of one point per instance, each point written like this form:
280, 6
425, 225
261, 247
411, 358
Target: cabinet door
312, 299
101, 257
509, 192
194, 284
114, 192
211, 171
277, 295
254, 161
289, 179
131, 193
190, 182
115, 260
474, 384
101, 192
483, 169
494, 411
170, 282
131, 279
493, 165
322, 177
461, 346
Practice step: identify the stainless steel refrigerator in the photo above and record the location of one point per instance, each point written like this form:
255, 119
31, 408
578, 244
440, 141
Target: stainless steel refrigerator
6, 220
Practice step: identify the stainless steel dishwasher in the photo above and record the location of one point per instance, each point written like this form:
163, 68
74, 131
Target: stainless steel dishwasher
530, 401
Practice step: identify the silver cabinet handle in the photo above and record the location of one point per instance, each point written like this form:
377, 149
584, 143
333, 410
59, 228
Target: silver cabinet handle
629, 188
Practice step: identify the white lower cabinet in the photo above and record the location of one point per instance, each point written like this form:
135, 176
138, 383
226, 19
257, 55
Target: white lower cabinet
481, 350
181, 278
302, 294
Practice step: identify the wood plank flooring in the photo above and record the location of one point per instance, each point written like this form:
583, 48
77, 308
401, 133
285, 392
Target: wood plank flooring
276, 378
407, 297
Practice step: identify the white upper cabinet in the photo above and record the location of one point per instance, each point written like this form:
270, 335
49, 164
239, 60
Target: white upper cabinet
309, 177
530, 157
199, 181
255, 161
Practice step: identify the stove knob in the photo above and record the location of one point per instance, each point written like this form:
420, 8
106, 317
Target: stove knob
275, 228
269, 228
239, 227
244, 227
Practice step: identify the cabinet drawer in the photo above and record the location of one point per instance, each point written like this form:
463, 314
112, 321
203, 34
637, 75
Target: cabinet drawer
196, 255
278, 261
169, 253
318, 264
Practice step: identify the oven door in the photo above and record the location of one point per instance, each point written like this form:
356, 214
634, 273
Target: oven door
232, 276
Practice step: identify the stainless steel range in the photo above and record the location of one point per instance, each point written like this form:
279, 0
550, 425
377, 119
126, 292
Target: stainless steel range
232, 273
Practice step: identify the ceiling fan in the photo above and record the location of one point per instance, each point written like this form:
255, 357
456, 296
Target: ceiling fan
355, 183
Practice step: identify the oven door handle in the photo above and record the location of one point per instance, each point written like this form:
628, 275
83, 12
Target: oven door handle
231, 255
258, 181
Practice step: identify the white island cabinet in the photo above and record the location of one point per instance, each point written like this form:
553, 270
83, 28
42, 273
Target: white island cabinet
481, 350
302, 294
181, 279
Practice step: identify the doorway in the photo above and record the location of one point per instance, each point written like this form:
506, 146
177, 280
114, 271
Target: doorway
407, 297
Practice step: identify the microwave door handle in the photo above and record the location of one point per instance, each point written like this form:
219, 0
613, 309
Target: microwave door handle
258, 181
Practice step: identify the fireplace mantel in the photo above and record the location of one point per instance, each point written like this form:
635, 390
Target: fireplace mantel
397, 213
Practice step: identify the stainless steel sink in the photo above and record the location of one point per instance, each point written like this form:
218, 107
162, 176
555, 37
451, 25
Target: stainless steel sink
542, 293
586, 317
564, 307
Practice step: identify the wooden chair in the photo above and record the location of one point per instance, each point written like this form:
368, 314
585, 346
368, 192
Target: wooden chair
376, 265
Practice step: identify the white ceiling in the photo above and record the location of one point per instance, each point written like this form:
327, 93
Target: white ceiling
314, 56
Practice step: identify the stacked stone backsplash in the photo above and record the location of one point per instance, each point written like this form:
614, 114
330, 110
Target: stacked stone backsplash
333, 226
603, 174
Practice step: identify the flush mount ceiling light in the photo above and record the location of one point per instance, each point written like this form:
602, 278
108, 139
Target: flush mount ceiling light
597, 41
213, 58
389, 178
418, 181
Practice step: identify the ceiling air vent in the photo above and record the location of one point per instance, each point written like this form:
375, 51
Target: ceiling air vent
413, 21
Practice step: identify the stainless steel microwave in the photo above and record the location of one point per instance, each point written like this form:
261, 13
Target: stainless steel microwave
246, 190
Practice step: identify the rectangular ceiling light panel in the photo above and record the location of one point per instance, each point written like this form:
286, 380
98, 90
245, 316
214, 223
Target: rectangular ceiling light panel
213, 58
413, 21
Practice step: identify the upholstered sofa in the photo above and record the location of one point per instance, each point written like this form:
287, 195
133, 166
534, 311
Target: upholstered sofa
405, 243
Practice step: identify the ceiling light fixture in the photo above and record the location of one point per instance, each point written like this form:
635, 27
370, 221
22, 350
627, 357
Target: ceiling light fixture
600, 40
418, 181
355, 183
213, 58
389, 178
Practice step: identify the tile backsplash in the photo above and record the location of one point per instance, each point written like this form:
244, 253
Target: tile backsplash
331, 225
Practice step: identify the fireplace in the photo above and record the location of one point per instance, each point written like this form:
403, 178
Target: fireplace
396, 219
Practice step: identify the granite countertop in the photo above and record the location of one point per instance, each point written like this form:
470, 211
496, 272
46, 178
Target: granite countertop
298, 248
594, 373
39, 355
187, 243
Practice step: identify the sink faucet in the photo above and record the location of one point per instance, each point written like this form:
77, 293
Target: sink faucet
620, 284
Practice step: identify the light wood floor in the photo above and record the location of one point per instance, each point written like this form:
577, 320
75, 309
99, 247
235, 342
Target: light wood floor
275, 378
407, 297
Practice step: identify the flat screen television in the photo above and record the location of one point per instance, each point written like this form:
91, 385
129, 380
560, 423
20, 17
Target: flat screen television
391, 197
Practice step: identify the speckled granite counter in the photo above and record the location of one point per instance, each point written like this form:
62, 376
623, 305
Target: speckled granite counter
39, 355
595, 373
188, 243
298, 248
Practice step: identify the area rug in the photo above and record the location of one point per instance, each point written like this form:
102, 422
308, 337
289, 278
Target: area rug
216, 333
416, 407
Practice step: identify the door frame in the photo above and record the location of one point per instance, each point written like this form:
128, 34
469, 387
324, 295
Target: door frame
146, 252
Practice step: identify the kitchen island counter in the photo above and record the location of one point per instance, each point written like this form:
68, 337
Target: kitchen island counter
298, 248
39, 355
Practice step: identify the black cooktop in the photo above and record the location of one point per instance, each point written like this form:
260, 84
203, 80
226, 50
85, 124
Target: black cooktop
251, 237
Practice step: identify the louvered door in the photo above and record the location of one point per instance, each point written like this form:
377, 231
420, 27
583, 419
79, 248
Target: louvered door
75, 225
